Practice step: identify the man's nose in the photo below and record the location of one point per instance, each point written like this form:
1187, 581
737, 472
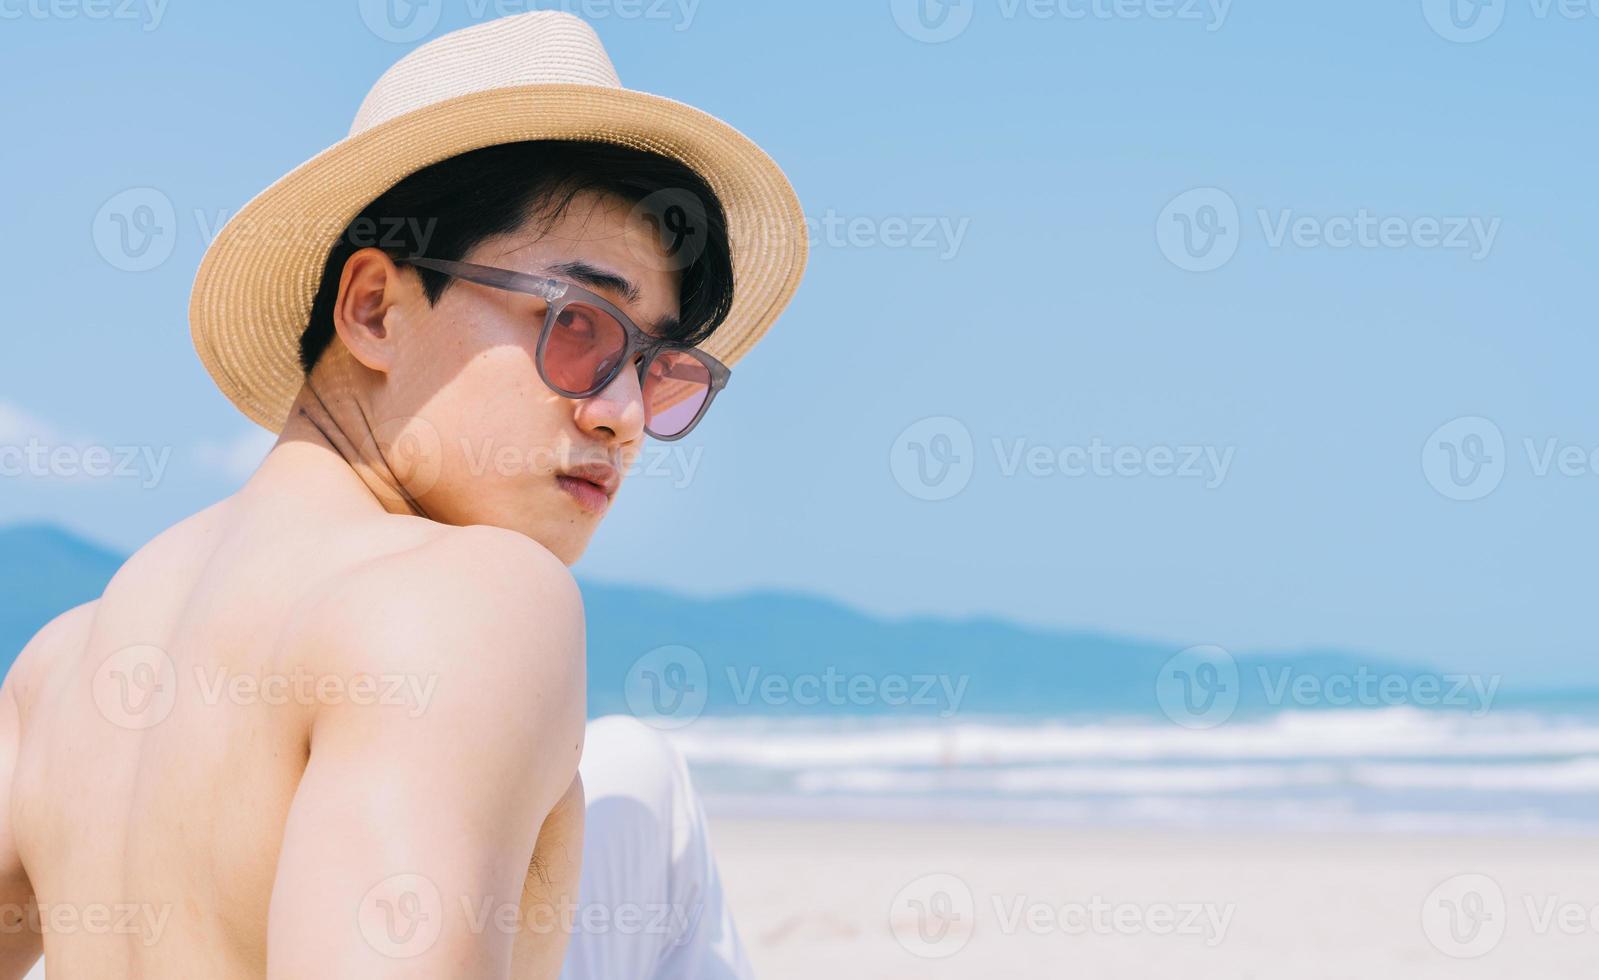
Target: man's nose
616, 414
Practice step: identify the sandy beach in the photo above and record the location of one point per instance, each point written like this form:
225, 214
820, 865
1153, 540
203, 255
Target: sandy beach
844, 900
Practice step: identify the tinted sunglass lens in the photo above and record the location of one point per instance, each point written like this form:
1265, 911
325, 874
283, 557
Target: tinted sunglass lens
676, 386
583, 349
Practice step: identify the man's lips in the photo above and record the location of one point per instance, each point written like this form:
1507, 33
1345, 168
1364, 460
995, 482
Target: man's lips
602, 475
592, 485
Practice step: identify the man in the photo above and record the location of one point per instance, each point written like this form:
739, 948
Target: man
331, 726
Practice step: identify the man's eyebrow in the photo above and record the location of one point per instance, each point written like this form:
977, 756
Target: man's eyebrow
595, 277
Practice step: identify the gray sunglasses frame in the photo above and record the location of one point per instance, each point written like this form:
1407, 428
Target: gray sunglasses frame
558, 294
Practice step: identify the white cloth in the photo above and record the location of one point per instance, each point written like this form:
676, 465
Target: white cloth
651, 905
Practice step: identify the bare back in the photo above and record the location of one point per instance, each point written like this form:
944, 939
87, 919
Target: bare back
162, 733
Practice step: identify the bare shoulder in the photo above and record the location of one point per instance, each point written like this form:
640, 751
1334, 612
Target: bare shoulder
487, 576
459, 787
492, 611
56, 644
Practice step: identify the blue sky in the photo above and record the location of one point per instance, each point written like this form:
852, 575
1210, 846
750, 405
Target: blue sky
1146, 316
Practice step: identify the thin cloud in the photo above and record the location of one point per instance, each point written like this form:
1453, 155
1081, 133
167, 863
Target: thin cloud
237, 458
17, 427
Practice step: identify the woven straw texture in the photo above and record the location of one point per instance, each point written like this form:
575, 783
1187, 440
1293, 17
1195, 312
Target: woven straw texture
540, 75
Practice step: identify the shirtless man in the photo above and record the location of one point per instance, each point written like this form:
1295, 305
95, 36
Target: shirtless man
331, 726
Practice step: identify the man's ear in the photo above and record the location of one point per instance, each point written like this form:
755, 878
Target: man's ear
368, 291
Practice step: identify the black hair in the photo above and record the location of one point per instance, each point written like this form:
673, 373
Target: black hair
447, 209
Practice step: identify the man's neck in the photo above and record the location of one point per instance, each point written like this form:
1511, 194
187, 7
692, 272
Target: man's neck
333, 423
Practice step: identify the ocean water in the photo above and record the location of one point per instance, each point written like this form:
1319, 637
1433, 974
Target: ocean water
1393, 769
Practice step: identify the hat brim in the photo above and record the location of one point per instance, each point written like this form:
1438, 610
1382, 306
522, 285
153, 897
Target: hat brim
253, 292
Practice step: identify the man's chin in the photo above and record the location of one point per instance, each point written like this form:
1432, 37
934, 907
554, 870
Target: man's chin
566, 536
566, 541
568, 552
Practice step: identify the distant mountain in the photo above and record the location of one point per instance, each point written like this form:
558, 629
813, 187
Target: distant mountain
780, 654
750, 640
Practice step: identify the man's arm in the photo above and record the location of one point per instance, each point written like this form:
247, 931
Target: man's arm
21, 943
19, 947
413, 827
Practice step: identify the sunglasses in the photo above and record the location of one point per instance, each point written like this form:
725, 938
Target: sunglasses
585, 342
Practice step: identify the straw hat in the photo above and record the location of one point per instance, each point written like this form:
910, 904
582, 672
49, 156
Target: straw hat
533, 76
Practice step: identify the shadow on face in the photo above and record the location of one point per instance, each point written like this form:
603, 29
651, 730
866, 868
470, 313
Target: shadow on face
469, 427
